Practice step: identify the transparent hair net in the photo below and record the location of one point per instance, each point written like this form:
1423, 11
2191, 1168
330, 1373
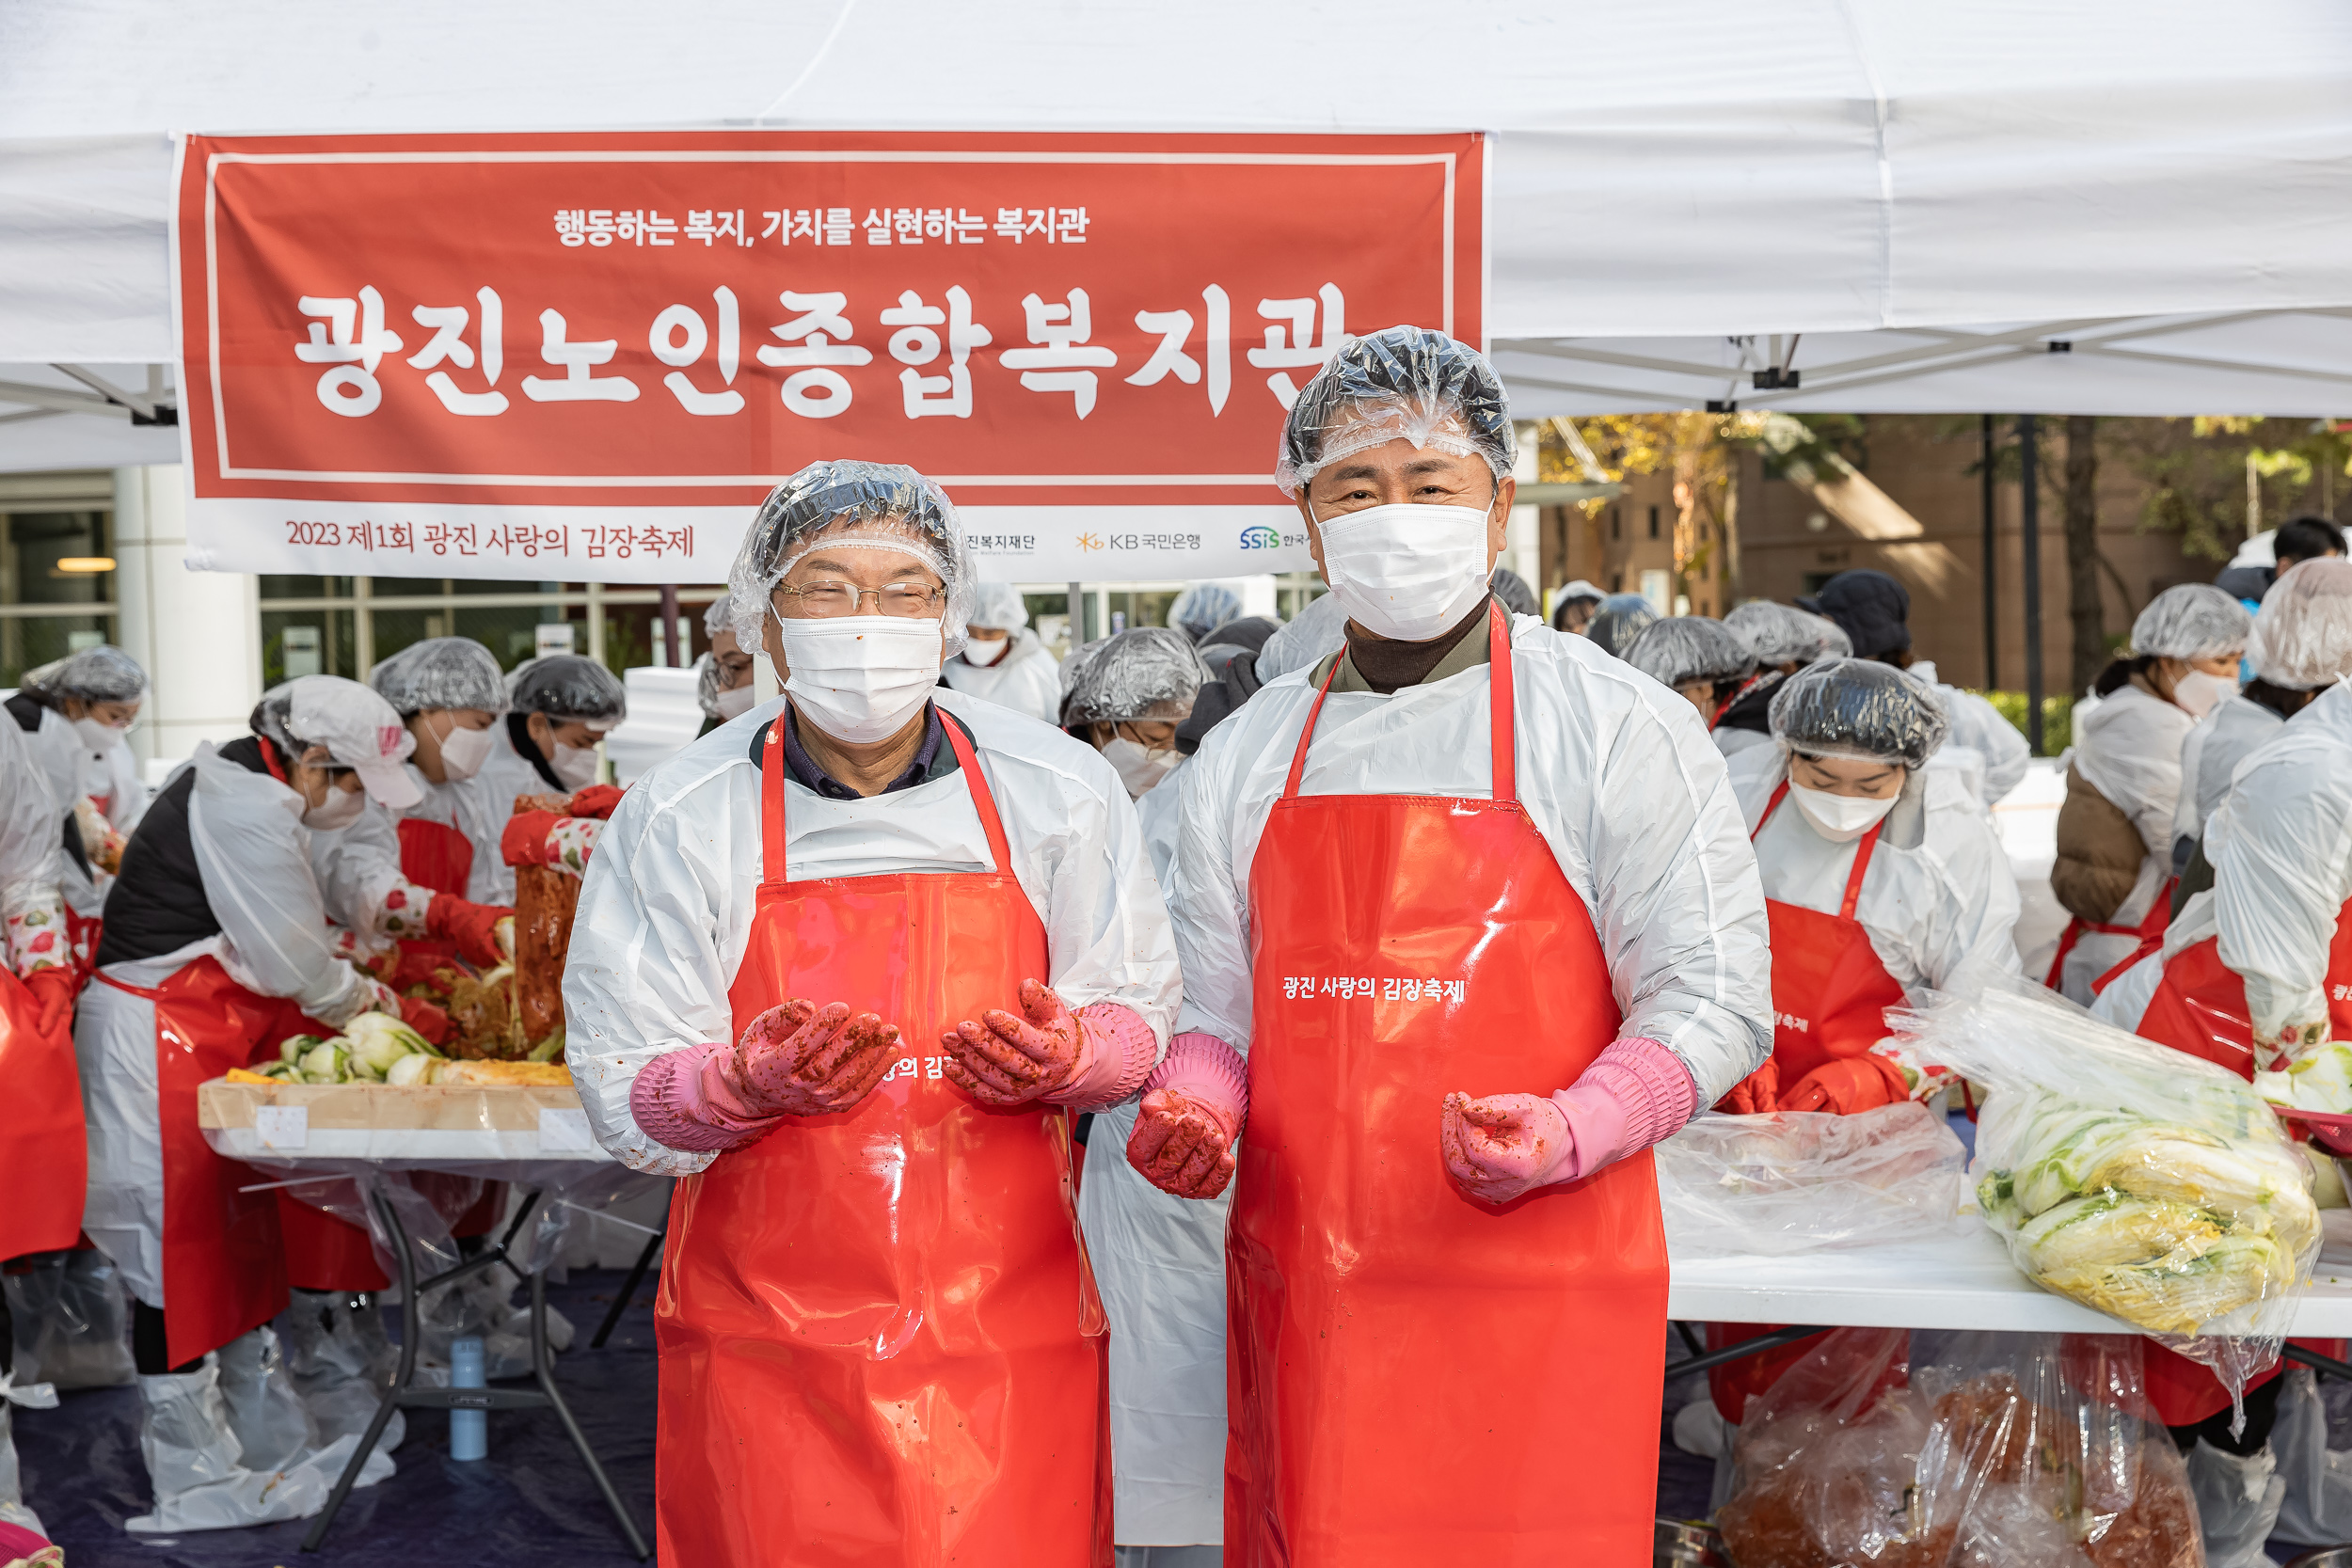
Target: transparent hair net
1314, 631
1620, 619
1859, 709
867, 505
1409, 383
102, 674
1202, 607
442, 671
568, 686
998, 605
718, 616
1690, 648
1150, 672
2195, 620
346, 718
2302, 636
1783, 634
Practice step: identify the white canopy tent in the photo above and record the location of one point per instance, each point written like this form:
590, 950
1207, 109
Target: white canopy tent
1920, 201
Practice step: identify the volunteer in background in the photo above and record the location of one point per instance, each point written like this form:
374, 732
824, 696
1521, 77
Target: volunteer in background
1873, 611
216, 947
1620, 619
1784, 640
1882, 879
2254, 974
1159, 1260
1203, 606
1128, 697
1512, 592
1705, 664
843, 964
2289, 618
77, 714
559, 708
722, 683
2114, 865
2304, 538
1002, 660
1573, 611
1386, 868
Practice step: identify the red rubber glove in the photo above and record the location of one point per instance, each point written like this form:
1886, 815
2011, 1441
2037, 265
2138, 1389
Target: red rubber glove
1755, 1095
796, 1059
1847, 1086
524, 841
472, 927
55, 988
596, 800
1183, 1145
425, 1019
1004, 1060
1499, 1146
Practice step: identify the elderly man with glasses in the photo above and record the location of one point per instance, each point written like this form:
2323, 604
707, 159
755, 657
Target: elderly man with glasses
848, 964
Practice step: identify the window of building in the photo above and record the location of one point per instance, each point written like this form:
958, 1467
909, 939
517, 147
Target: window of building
57, 568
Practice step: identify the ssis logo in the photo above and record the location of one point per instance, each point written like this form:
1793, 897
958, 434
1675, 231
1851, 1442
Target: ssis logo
1260, 538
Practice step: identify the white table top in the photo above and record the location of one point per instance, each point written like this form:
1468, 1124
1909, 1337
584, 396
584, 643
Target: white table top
1961, 1281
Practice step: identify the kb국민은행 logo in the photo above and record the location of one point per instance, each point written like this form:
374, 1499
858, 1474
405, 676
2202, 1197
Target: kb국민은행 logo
1260, 537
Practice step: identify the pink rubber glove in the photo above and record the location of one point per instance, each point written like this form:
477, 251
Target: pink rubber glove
1088, 1060
681, 1100
1195, 1105
797, 1060
1503, 1146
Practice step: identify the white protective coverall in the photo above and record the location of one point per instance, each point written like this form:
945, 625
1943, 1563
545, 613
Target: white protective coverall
359, 869
1986, 749
253, 854
1939, 903
666, 909
1026, 679
31, 861
2129, 751
2281, 844
1617, 775
1159, 1261
2209, 755
74, 770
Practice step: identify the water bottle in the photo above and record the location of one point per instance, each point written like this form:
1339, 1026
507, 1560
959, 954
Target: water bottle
469, 1430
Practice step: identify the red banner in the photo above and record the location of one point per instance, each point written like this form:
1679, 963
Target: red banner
587, 356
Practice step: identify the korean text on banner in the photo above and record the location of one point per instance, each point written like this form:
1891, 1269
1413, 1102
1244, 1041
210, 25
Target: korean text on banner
587, 356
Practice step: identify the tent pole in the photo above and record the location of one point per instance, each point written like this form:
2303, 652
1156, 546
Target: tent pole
2029, 538
1991, 556
668, 624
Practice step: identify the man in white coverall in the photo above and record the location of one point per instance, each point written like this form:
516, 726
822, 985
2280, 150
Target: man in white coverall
793, 980
1476, 900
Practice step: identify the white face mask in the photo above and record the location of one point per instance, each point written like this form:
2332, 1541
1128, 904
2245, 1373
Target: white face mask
1139, 767
574, 767
735, 702
463, 751
1839, 818
340, 809
2200, 692
985, 652
1404, 571
98, 737
860, 678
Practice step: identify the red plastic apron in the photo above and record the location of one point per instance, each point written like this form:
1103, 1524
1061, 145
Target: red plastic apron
2200, 1008
1830, 996
1414, 1377
224, 1271
874, 1327
2149, 933
44, 1157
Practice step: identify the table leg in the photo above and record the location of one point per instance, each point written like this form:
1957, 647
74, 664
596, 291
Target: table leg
390, 1401
587, 1455
629, 1289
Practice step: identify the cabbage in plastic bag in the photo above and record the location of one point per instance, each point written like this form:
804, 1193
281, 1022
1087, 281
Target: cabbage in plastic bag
1805, 1182
1900, 1449
2136, 1179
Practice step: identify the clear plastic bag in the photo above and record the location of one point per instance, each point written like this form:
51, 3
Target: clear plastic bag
72, 1322
1900, 1450
2141, 1182
1807, 1181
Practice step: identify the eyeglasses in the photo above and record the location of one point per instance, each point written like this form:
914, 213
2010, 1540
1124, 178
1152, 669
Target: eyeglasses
825, 600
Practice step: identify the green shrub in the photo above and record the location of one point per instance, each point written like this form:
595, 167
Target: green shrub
2058, 717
